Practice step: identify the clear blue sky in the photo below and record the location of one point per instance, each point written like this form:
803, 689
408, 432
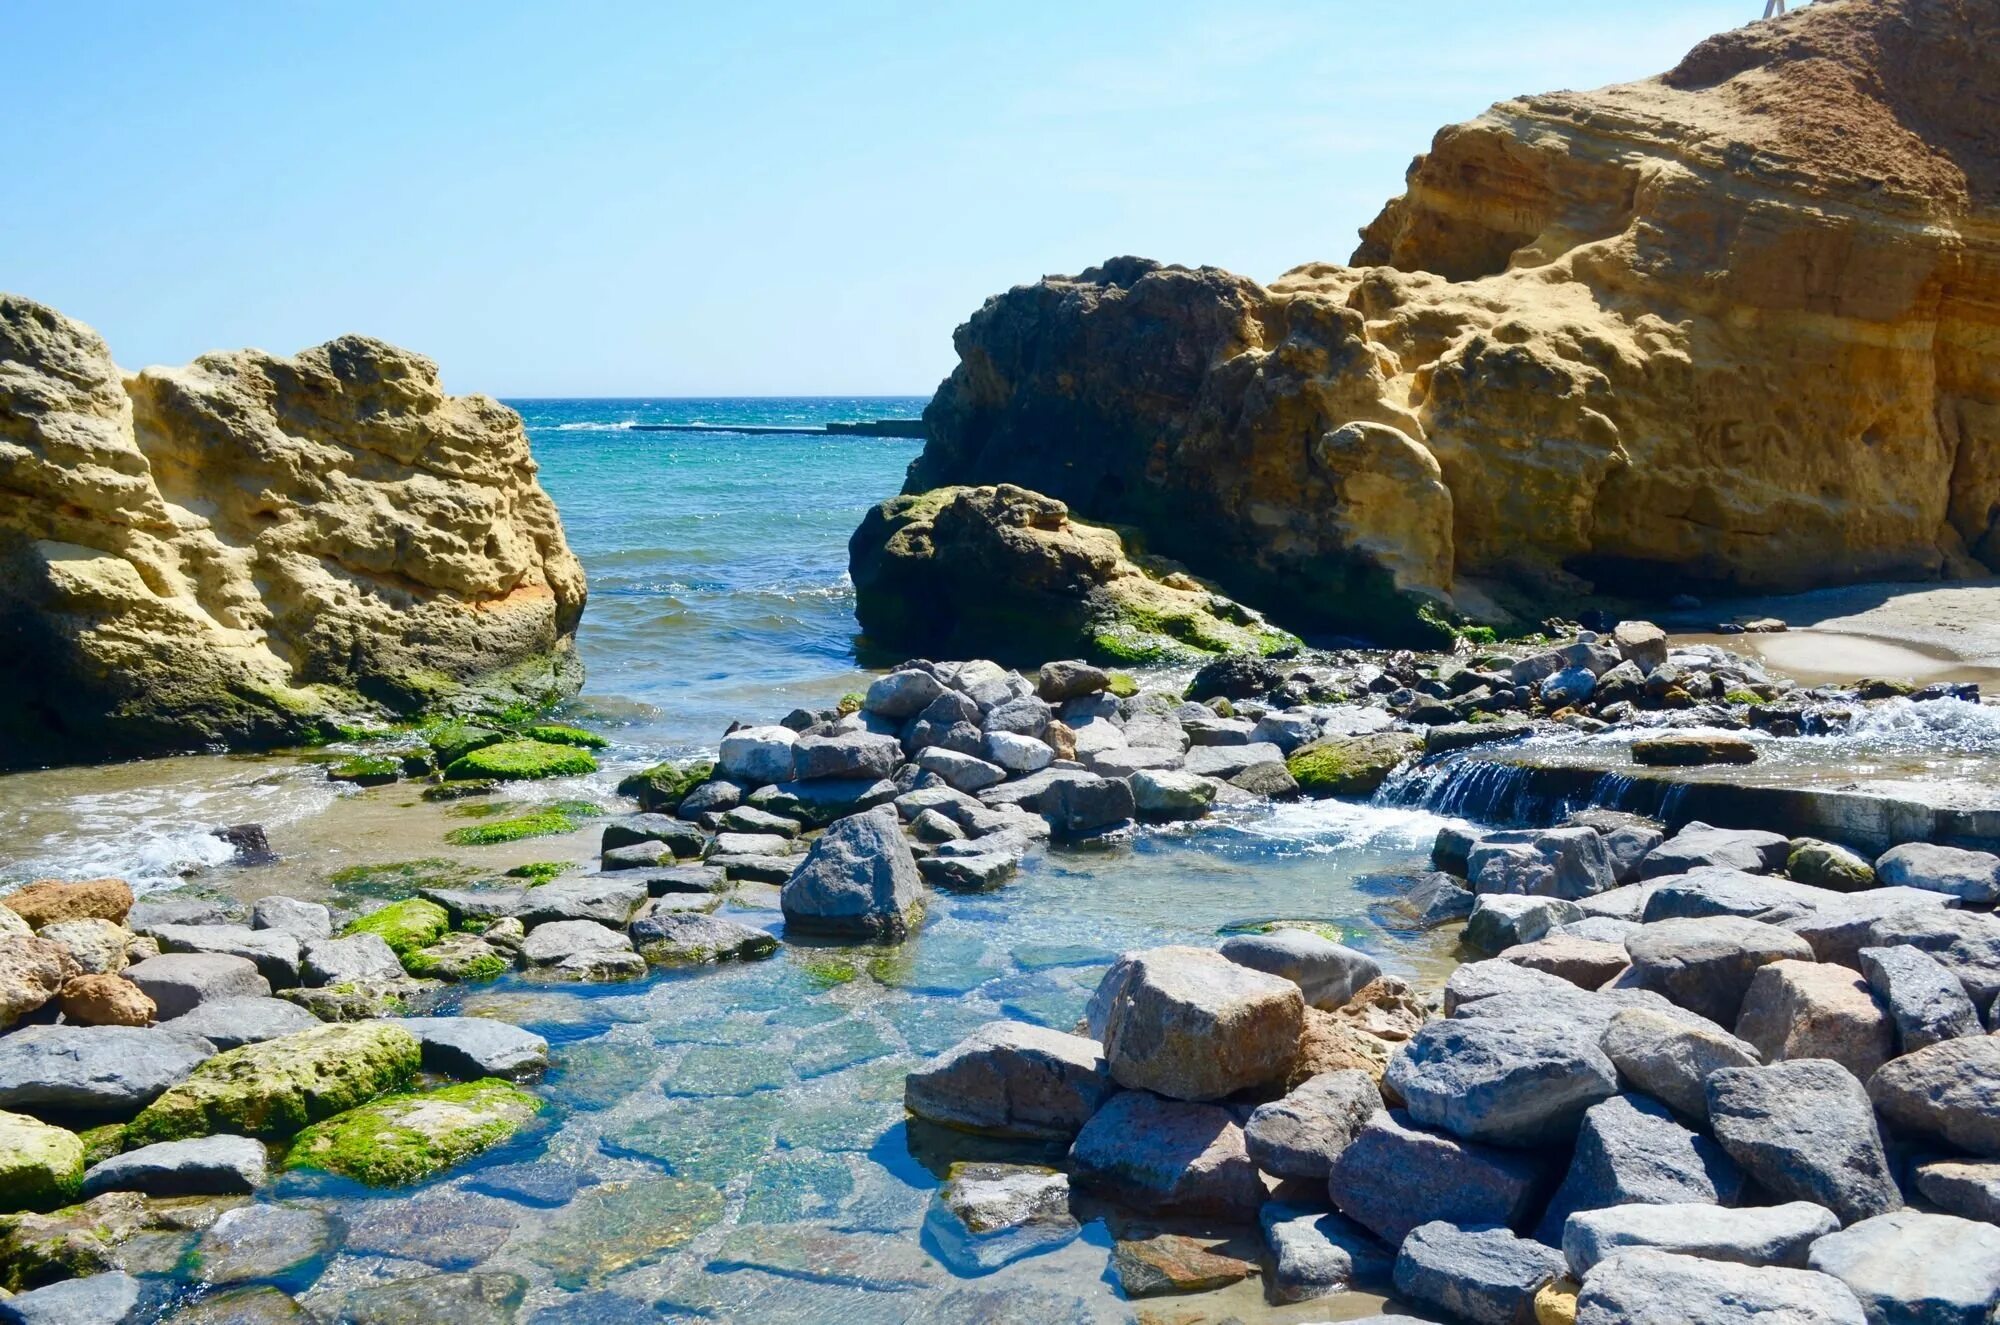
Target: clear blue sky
743, 198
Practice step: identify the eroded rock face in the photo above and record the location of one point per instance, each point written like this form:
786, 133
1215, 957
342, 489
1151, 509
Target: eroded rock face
1733, 322
231, 550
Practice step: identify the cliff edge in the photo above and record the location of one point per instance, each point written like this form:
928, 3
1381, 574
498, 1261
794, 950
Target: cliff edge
236, 552
1733, 328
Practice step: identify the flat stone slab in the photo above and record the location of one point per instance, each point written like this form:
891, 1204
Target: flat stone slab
1645, 1287
108, 1070
469, 1048
206, 1166
1778, 1235
180, 982
228, 1023
1911, 1266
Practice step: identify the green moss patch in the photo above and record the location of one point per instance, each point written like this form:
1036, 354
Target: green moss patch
405, 926
522, 759
401, 1139
453, 741
549, 821
538, 872
663, 787
366, 770
555, 733
1350, 765
401, 878
1123, 685
277, 1087
40, 1165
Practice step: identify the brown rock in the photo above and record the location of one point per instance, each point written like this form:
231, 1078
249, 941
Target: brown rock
1061, 738
1587, 963
1802, 1009
232, 550
1704, 297
105, 1000
1331, 1043
1176, 1263
1687, 750
1386, 1008
50, 900
32, 971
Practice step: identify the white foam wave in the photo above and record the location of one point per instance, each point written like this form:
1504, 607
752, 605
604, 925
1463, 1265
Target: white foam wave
1941, 725
595, 427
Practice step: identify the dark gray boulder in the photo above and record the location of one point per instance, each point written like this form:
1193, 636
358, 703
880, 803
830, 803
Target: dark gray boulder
1966, 943
469, 1048
1630, 1151
1646, 1287
230, 1023
1300, 1135
1517, 1080
1926, 1002
1395, 1176
1949, 1092
1973, 877
1011, 1079
205, 1166
859, 879
1483, 1275
1697, 845
1328, 973
112, 1071
1169, 1155
1804, 1131
1778, 1235
1083, 804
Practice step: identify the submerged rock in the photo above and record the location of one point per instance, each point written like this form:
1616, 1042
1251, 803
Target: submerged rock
985, 1216
385, 547
402, 1139
1012, 1079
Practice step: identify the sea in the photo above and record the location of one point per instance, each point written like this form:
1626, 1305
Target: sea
729, 1144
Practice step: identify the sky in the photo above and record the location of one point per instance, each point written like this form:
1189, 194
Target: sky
657, 198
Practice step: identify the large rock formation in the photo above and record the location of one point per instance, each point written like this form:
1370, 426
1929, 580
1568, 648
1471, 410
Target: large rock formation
1735, 326
234, 551
1004, 573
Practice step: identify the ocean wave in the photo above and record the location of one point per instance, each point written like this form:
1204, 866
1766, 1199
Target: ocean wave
623, 426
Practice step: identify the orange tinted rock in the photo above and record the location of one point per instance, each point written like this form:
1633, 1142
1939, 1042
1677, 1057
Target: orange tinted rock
49, 900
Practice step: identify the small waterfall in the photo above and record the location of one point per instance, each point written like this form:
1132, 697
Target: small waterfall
1466, 785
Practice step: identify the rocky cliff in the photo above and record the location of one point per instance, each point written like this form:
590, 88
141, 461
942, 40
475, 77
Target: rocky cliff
1733, 327
239, 550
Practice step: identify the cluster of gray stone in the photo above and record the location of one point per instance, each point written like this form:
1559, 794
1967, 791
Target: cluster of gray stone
1714, 1076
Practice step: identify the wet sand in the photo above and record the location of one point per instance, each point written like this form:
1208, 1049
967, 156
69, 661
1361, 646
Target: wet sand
1915, 632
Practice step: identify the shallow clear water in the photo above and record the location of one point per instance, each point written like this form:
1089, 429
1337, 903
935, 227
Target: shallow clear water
718, 591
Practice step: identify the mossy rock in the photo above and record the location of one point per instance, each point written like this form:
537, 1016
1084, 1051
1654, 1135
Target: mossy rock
401, 1139
518, 760
359, 1000
555, 733
102, 1142
40, 1165
276, 1087
458, 958
401, 878
366, 770
463, 789
454, 741
405, 926
538, 872
662, 788
1123, 685
850, 702
115, 1231
549, 821
1351, 765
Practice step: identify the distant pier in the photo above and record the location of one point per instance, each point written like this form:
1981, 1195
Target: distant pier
913, 428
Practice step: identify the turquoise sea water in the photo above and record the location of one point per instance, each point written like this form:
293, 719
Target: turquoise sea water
717, 561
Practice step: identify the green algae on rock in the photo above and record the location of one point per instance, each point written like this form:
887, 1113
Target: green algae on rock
549, 821
401, 878
459, 958
401, 1139
365, 770
1003, 572
118, 1230
521, 759
1350, 765
40, 1165
405, 926
663, 787
619, 1225
276, 1087
556, 733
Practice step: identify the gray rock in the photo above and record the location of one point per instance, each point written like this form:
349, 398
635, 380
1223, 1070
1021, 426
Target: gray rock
1288, 731
1506, 920
750, 819
1706, 965
1018, 753
1626, 848
1328, 973
1777, 1235
1968, 1187
1218, 731
757, 756
284, 1245
1022, 716
1597, 929
1076, 806
1169, 1155
940, 799
550, 943
859, 879
847, 755
537, 1182
1915, 1268
1268, 781
473, 1047
1226, 761
1646, 1287
275, 952
682, 880
1838, 933
1164, 794
750, 844
638, 856
355, 959
302, 920
985, 1216
608, 900
678, 836
709, 798
180, 982
1569, 863
477, 907
1966, 943
97, 1070
1571, 685
1671, 1058
1949, 1092
1697, 845
1585, 962
1971, 876
1727, 892
1926, 1002
207, 1166
1475, 981
113, 1298
902, 694
1396, 1176
967, 874
1804, 1131
171, 908
1484, 1275
231, 1023
674, 938
1433, 899
1506, 1080
1316, 1255
1070, 679
964, 772
1300, 1135
1630, 1151
1012, 1079
1626, 902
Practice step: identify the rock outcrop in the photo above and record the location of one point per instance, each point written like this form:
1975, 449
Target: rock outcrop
1004, 572
1732, 326
237, 550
